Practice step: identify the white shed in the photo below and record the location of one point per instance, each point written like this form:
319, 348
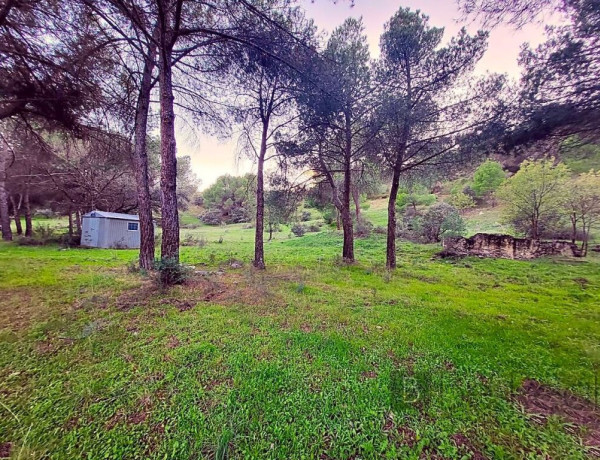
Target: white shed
110, 230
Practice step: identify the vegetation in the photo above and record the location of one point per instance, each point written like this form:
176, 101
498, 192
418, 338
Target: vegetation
542, 197
487, 178
214, 342
95, 360
534, 196
229, 200
441, 220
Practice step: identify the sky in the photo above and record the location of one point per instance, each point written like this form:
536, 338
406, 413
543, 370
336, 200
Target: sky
212, 158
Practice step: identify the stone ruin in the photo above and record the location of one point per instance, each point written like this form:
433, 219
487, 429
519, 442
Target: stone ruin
507, 247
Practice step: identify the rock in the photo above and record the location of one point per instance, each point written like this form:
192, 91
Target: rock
506, 247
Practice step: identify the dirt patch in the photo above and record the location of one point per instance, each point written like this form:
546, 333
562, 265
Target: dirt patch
305, 327
5, 448
399, 434
134, 418
173, 342
214, 383
431, 453
137, 417
449, 366
465, 446
140, 297
582, 282
368, 375
541, 401
180, 304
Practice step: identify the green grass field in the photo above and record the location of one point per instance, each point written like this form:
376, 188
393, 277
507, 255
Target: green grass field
309, 359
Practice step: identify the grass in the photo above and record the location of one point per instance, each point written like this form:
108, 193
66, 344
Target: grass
487, 220
310, 359
582, 158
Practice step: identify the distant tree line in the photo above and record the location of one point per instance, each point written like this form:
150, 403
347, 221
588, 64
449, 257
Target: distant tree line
84, 89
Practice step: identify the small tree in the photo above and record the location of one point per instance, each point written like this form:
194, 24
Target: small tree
583, 205
281, 202
535, 196
441, 220
487, 178
231, 196
413, 196
461, 200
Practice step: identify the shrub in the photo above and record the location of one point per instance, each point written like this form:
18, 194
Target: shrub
535, 197
298, 230
329, 215
441, 220
487, 178
313, 228
44, 233
461, 200
46, 213
28, 241
169, 272
380, 230
212, 217
238, 216
418, 196
191, 240
69, 240
305, 217
363, 228
410, 227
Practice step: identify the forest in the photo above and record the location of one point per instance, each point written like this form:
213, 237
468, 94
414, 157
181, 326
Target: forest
410, 267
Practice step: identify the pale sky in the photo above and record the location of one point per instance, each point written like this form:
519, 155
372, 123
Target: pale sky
212, 158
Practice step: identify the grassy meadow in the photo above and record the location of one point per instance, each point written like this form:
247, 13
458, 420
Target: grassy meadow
310, 359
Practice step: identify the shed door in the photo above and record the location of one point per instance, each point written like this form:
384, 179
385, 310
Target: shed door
89, 232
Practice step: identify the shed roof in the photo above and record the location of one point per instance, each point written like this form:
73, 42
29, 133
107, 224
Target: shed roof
112, 215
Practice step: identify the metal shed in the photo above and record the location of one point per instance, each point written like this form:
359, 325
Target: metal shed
110, 230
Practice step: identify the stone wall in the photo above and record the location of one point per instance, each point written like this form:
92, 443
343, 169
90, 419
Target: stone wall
507, 247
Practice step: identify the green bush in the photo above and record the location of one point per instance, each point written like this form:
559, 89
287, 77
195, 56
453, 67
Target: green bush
191, 240
487, 178
170, 272
305, 217
461, 200
441, 220
28, 241
363, 228
298, 230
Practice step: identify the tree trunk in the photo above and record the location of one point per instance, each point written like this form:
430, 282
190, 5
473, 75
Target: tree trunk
140, 160
168, 151
70, 224
390, 260
574, 228
270, 231
586, 234
259, 250
27, 206
356, 198
348, 248
17, 214
78, 221
4, 216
